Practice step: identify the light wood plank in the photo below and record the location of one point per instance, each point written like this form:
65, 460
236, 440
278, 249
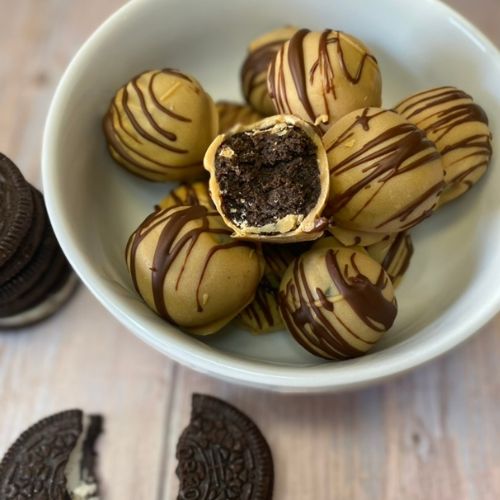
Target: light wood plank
82, 357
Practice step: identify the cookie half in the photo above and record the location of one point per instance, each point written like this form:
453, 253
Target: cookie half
16, 208
223, 454
53, 459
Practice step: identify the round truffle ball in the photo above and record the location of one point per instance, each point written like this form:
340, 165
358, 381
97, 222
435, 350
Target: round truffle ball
254, 70
393, 254
385, 175
263, 315
459, 129
232, 114
322, 76
337, 302
269, 181
160, 124
188, 193
188, 269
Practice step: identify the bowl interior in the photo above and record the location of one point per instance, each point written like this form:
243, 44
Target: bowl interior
450, 288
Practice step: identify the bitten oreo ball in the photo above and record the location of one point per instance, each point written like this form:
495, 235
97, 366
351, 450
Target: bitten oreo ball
337, 302
270, 181
459, 129
254, 70
386, 176
160, 124
188, 269
322, 76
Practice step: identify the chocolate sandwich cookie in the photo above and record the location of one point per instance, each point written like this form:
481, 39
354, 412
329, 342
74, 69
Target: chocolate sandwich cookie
223, 454
16, 208
22, 282
53, 459
30, 242
55, 275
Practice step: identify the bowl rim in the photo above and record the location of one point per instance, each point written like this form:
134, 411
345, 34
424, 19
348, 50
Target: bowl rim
211, 361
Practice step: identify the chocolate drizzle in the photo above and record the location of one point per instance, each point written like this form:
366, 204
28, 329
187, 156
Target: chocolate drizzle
116, 130
302, 77
440, 112
255, 67
174, 239
395, 151
311, 315
398, 256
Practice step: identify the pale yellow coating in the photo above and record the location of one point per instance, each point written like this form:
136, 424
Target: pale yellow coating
460, 130
262, 315
351, 238
254, 69
340, 331
393, 254
339, 75
292, 227
160, 124
233, 114
224, 287
188, 193
385, 176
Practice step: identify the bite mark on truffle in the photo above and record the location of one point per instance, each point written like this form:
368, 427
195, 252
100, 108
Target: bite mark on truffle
271, 175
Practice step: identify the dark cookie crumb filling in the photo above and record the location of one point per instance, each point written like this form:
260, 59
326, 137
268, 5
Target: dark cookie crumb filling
268, 177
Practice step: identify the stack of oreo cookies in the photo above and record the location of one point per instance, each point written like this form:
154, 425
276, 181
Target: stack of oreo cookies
35, 277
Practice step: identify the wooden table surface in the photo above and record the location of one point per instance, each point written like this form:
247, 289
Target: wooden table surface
431, 434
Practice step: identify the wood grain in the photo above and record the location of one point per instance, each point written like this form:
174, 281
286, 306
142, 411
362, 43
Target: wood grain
431, 434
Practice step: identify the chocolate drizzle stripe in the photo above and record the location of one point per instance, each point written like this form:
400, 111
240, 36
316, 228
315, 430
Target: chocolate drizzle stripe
428, 99
139, 129
257, 63
365, 298
307, 323
297, 70
408, 149
170, 245
359, 70
123, 149
116, 113
404, 213
158, 104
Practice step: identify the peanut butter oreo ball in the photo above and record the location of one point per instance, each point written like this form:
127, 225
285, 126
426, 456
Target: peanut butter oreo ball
189, 270
393, 254
188, 193
269, 181
459, 129
254, 70
263, 314
337, 302
232, 114
160, 124
322, 76
385, 175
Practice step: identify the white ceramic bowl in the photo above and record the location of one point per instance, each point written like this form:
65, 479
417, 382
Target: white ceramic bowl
451, 288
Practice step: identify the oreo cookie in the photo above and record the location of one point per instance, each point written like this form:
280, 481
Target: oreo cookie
24, 281
16, 208
223, 455
53, 459
35, 277
30, 243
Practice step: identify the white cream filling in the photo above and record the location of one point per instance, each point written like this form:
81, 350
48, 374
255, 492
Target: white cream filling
77, 487
45, 308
